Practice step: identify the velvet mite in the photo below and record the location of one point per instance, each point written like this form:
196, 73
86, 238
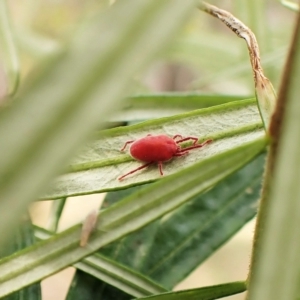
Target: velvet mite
158, 149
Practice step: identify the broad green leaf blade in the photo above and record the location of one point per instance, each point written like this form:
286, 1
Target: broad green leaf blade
275, 262
134, 212
205, 293
111, 272
9, 57
75, 94
97, 169
169, 249
23, 237
89, 287
142, 107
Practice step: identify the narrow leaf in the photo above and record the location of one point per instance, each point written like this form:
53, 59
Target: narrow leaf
195, 231
205, 293
111, 272
23, 237
275, 262
98, 167
169, 249
89, 287
142, 107
9, 60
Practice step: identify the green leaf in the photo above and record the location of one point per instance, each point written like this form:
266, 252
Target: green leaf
9, 57
112, 272
23, 237
57, 208
134, 212
275, 263
88, 287
121, 277
142, 107
74, 95
205, 293
97, 169
195, 231
169, 249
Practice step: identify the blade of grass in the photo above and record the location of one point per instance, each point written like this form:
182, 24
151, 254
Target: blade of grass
204, 293
142, 107
97, 168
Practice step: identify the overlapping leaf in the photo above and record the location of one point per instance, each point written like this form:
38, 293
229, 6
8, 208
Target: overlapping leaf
134, 212
170, 248
23, 237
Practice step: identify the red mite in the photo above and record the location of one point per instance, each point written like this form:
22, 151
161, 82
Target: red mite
159, 148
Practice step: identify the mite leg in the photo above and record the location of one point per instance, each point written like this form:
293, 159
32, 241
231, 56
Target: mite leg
126, 144
194, 139
181, 153
135, 170
195, 146
177, 136
160, 168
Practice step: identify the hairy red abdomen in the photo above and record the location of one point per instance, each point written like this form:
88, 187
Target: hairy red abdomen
154, 148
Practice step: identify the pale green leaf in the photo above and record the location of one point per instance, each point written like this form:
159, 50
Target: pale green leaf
98, 167
113, 273
205, 293
142, 107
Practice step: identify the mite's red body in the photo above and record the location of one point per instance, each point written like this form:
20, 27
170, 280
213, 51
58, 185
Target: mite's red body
158, 149
154, 148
